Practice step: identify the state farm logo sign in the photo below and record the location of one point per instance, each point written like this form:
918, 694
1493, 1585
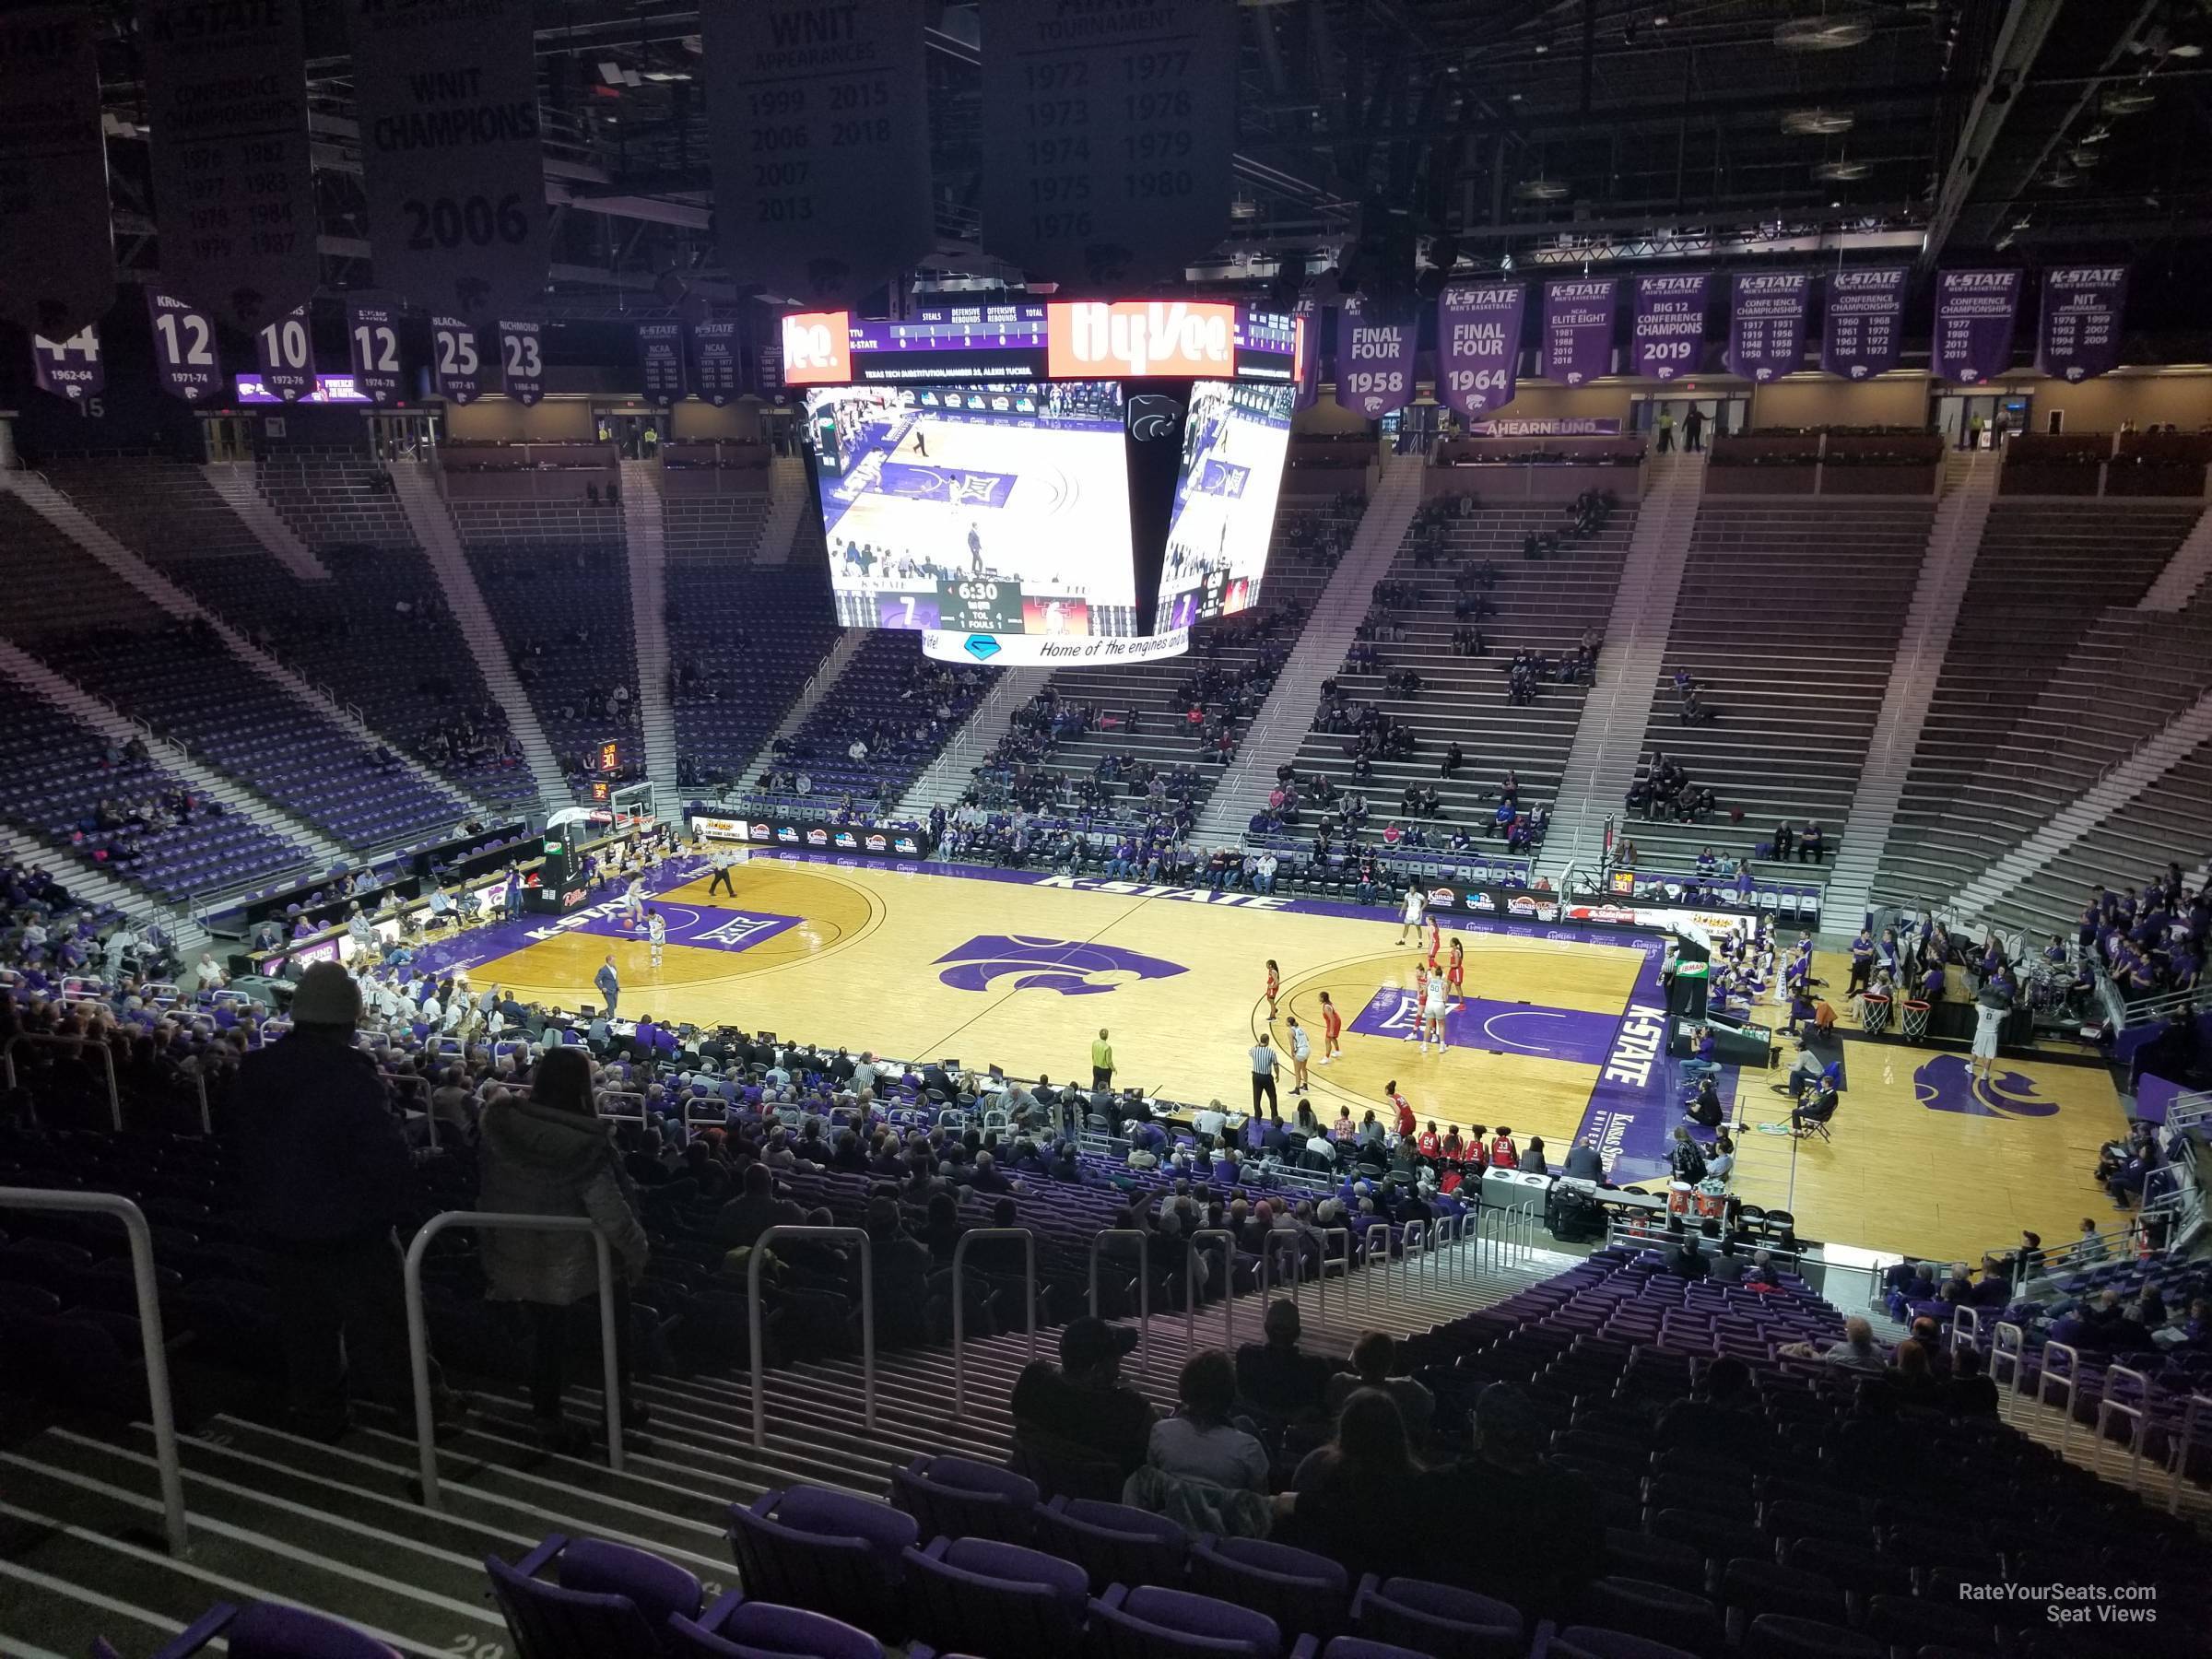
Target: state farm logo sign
817, 348
1089, 338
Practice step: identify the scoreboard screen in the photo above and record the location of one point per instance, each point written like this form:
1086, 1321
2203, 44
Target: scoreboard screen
1236, 438
996, 509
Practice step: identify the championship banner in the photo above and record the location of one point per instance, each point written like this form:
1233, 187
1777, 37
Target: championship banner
2079, 333
1864, 324
1766, 324
234, 189
285, 350
373, 340
1667, 330
1479, 344
1111, 132
1578, 329
187, 356
1374, 359
57, 257
70, 368
521, 360
452, 163
819, 116
1975, 313
661, 359
714, 347
457, 362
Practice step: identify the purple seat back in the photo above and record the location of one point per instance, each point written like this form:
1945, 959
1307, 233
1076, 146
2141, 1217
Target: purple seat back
751, 1630
1587, 1641
1149, 1622
266, 1630
1777, 1636
656, 1587
825, 1552
1301, 1591
1438, 1619
549, 1622
1115, 1543
956, 1498
994, 1600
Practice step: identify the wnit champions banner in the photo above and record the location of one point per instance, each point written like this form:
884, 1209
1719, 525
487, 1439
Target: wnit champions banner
1766, 324
1479, 344
1374, 359
57, 257
1974, 313
451, 162
1666, 336
2079, 336
1578, 329
1866, 321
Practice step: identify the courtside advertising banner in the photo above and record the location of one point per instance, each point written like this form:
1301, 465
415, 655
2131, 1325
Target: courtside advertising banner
2077, 336
798, 835
1479, 344
70, 368
234, 187
1974, 315
1765, 323
1864, 331
661, 360
446, 95
819, 119
187, 356
284, 350
372, 341
1108, 132
456, 360
1578, 329
715, 355
1374, 357
523, 359
57, 257
1667, 330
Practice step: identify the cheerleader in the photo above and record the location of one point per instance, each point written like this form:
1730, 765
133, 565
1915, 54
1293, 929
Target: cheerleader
1274, 986
1332, 1028
1455, 975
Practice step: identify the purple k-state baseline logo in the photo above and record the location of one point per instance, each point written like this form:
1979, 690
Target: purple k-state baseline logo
1947, 1084
1068, 966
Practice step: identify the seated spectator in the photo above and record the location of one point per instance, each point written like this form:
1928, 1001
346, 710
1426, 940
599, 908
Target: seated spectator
1200, 1442
1535, 1533
1720, 1418
1967, 1392
1366, 1503
1373, 1357
1858, 1350
1275, 1378
1081, 1405
755, 1209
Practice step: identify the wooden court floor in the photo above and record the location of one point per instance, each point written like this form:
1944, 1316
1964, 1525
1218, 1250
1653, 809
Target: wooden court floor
1023, 976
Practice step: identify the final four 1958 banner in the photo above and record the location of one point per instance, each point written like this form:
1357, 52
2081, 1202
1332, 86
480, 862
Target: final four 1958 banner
446, 95
1374, 357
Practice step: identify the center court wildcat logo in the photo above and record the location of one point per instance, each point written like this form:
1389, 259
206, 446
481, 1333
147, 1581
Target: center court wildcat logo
1946, 1084
1069, 967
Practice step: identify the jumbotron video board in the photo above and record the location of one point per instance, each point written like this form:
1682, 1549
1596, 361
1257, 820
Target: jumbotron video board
1052, 482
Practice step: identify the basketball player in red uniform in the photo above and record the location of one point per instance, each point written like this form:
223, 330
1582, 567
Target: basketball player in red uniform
1401, 1108
1436, 942
1455, 975
1274, 986
1421, 996
1332, 1028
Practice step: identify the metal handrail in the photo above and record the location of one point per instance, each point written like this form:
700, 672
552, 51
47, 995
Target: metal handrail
1413, 1253
1367, 1260
1228, 1287
149, 1333
107, 1061
752, 1313
959, 1302
419, 1339
2017, 1352
1344, 1286
1270, 1243
2198, 1409
2139, 1412
1144, 1287
2071, 1378
1966, 1328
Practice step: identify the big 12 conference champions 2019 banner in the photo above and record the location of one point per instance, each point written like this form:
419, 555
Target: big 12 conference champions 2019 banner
1479, 344
446, 95
1666, 335
234, 185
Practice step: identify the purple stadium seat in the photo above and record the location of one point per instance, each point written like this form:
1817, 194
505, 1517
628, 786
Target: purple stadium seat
1115, 1543
1913, 1620
1587, 1641
1778, 1636
609, 1602
1359, 1647
1437, 1618
959, 1497
737, 1629
828, 1552
993, 1599
1152, 1623
1749, 1588
1301, 1591
266, 1630
1674, 1616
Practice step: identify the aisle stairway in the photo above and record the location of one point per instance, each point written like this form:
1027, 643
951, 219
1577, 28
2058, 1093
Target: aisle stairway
645, 532
434, 532
1602, 763
790, 499
235, 482
1282, 722
339, 1527
946, 779
1954, 542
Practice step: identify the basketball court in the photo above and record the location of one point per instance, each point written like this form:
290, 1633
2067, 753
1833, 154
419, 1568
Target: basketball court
1559, 1031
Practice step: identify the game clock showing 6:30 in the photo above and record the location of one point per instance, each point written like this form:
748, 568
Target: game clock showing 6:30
979, 605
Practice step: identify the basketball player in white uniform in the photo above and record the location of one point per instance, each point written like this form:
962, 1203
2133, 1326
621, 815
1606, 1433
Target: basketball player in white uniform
1432, 1013
1415, 905
656, 933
